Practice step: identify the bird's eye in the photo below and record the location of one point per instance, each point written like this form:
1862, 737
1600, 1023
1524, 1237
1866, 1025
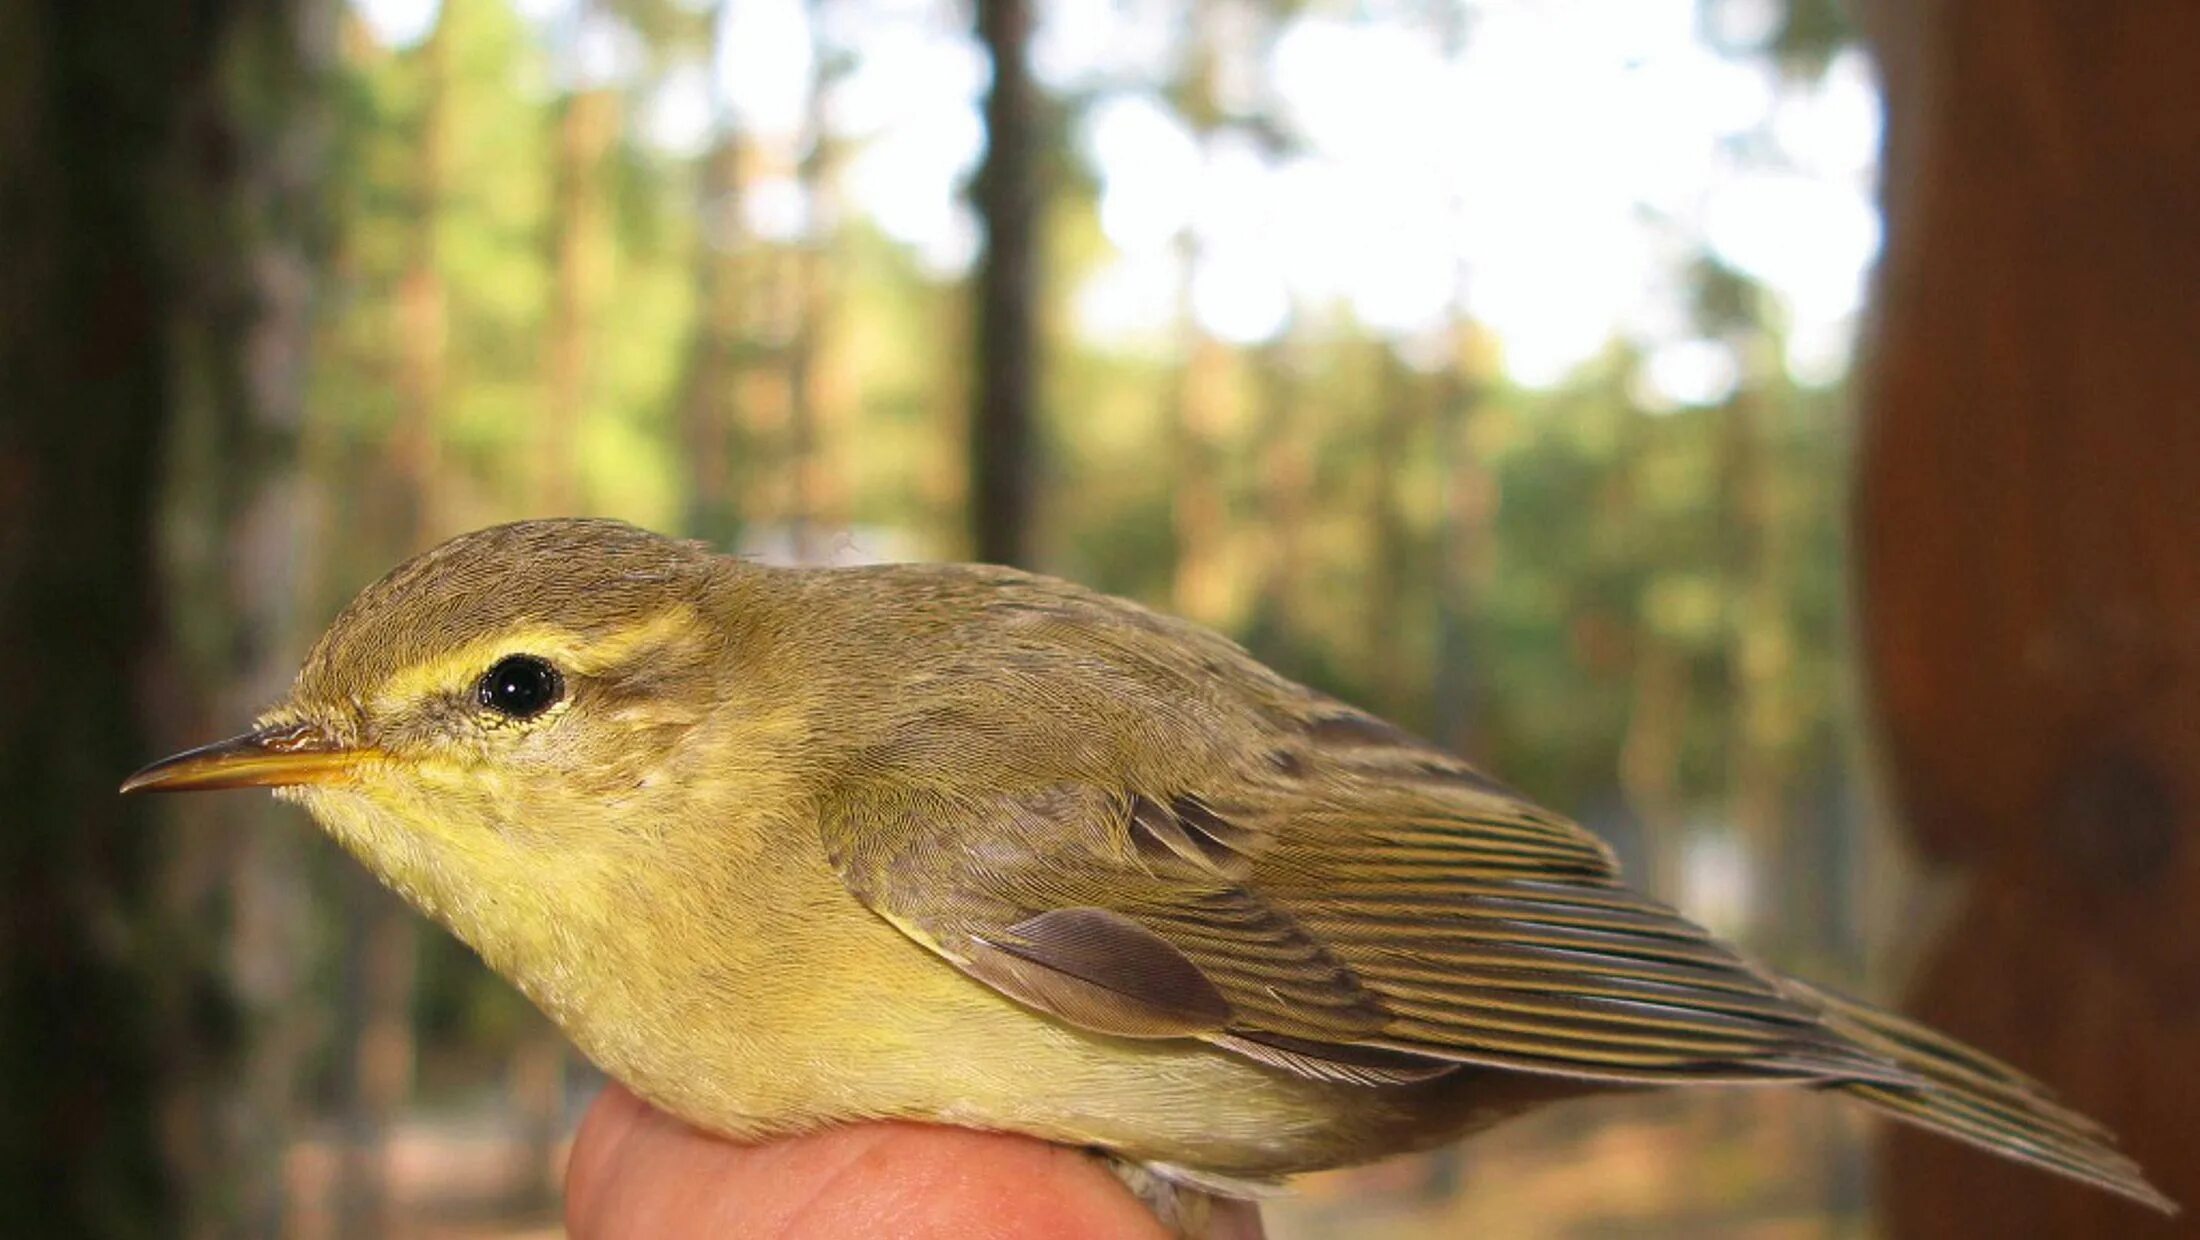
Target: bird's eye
521, 687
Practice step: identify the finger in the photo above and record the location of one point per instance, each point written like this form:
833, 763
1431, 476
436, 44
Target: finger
1236, 1220
637, 1172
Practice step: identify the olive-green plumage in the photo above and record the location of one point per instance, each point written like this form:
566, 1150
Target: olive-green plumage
788, 847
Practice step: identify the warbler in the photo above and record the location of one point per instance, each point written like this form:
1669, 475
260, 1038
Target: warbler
785, 847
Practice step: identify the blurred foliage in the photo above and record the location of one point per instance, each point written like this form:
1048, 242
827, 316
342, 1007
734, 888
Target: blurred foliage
1631, 608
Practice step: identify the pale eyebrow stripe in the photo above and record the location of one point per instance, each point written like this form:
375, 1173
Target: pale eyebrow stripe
569, 650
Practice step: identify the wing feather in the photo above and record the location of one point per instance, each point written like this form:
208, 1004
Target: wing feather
1125, 821
1315, 958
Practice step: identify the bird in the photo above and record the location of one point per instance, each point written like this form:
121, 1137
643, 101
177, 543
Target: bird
780, 848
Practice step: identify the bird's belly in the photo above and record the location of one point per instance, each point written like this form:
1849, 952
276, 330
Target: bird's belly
878, 1027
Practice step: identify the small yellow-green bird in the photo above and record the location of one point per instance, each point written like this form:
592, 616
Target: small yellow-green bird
781, 848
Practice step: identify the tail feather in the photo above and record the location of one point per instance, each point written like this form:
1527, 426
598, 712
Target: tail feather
1966, 1094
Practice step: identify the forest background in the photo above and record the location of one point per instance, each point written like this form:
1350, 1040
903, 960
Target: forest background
1483, 362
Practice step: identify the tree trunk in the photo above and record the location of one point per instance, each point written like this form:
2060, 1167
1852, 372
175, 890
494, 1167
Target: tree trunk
1464, 541
814, 505
1760, 656
1003, 443
1284, 466
719, 351
381, 935
243, 337
1391, 666
580, 266
1201, 586
2029, 509
1650, 755
581, 255
100, 120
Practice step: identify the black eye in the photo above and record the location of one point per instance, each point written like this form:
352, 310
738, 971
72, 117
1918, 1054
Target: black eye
521, 687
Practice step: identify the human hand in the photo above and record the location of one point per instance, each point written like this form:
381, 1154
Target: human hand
637, 1172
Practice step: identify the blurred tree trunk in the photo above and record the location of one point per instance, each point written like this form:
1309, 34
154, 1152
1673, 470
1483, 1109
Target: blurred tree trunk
580, 269
2029, 510
1284, 490
1465, 538
814, 503
1760, 641
381, 936
1467, 496
407, 496
1650, 754
101, 129
1201, 583
581, 258
1392, 667
242, 520
1004, 464
1661, 691
771, 303
1199, 513
720, 350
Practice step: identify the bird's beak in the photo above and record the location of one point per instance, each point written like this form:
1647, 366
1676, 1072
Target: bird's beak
270, 757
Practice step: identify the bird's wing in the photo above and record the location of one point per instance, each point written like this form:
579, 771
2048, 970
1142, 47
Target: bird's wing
1362, 907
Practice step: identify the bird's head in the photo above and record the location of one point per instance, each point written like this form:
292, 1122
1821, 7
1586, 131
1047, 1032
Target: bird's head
516, 710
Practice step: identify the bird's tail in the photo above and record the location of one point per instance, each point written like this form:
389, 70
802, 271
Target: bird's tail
1968, 1095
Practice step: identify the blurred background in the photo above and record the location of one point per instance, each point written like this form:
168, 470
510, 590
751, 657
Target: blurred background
1492, 364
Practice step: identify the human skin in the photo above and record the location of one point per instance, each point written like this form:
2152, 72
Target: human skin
637, 1172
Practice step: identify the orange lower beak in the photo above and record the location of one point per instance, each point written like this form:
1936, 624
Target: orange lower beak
273, 757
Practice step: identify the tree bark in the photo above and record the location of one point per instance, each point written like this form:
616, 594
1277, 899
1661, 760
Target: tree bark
98, 135
1003, 443
2028, 514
